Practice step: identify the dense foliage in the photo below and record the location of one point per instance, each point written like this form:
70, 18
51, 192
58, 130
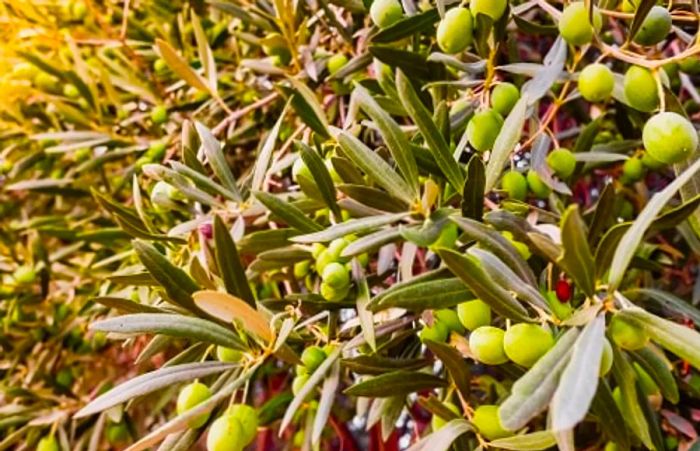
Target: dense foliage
344, 224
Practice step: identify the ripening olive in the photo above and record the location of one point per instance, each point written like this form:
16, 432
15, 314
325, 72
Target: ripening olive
454, 33
596, 82
504, 96
437, 422
562, 162
224, 354
70, 91
483, 129
537, 186
159, 115
627, 335
48, 443
486, 344
385, 13
190, 396
632, 170
575, 25
450, 319
525, 343
437, 332
160, 66
606, 359
655, 27
488, 422
312, 357
335, 275
515, 184
474, 314
492, 8
248, 417
45, 82
225, 434
641, 91
669, 137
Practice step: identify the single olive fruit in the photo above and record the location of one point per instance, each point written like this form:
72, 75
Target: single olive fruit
48, 443
323, 259
225, 434
669, 137
627, 335
488, 422
224, 354
64, 377
159, 115
655, 27
483, 129
160, 66
515, 184
45, 82
486, 344
335, 275
492, 8
537, 186
641, 91
385, 13
437, 422
519, 246
302, 268
611, 446
312, 357
596, 82
454, 32
333, 294
117, 433
78, 10
24, 275
575, 25
248, 417
525, 343
190, 396
504, 96
437, 332
606, 359
646, 382
448, 237
562, 162
474, 314
632, 170
450, 319
336, 62
70, 91
690, 65
316, 249
652, 163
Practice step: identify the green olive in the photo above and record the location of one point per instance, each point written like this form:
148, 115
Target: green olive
48, 443
117, 433
312, 357
486, 344
225, 434
655, 27
669, 137
641, 91
646, 382
483, 129
332, 294
504, 96
248, 417
70, 91
79, 11
492, 8
323, 259
487, 420
606, 359
298, 383
336, 62
438, 332
301, 269
515, 184
627, 335
562, 162
385, 13
690, 65
335, 248
632, 170
525, 343
46, 82
190, 396
474, 314
519, 246
611, 446
437, 422
316, 250
575, 25
159, 115
454, 32
64, 378
652, 163
450, 319
537, 186
24, 275
335, 275
160, 66
596, 82
224, 354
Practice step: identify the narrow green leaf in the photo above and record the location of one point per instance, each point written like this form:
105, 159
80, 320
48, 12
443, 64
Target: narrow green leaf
127, 305
371, 242
659, 371
374, 198
455, 364
431, 134
431, 294
469, 271
229, 263
180, 66
609, 415
626, 377
665, 302
533, 441
507, 138
472, 204
394, 384
308, 97
322, 177
407, 26
442, 439
359, 226
640, 14
216, 159
576, 257
288, 213
361, 301
325, 402
262, 162
377, 364
634, 235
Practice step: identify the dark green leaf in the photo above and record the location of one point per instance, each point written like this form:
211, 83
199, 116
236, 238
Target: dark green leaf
375, 364
472, 204
394, 384
407, 26
231, 269
659, 371
430, 294
287, 212
455, 365
359, 226
576, 257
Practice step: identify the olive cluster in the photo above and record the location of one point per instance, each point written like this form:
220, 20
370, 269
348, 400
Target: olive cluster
311, 359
